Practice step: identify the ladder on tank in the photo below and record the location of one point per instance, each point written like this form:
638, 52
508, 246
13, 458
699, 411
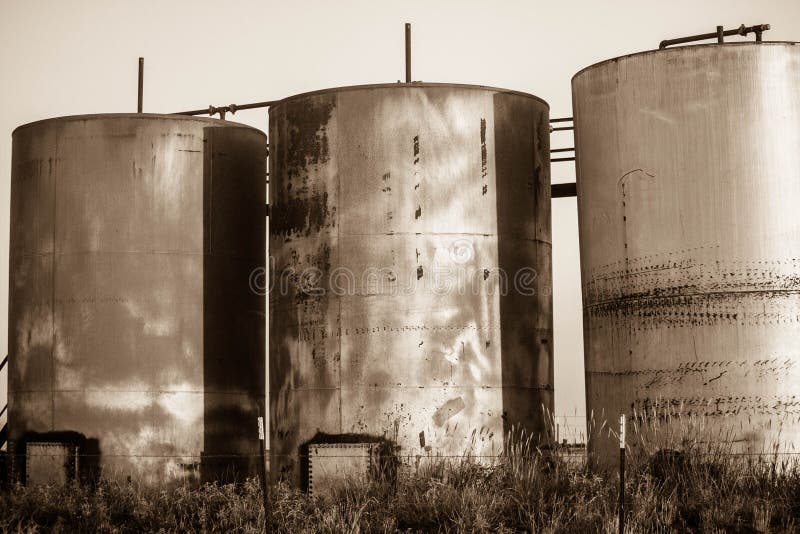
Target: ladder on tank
569, 189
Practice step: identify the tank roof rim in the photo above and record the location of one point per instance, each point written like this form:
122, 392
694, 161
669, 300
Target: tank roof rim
412, 85
669, 49
98, 116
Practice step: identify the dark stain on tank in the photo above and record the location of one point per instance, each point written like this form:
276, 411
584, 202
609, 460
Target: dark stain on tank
303, 285
301, 214
418, 213
301, 206
307, 138
419, 272
542, 150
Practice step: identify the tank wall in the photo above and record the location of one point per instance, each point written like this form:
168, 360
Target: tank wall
687, 195
392, 212
132, 327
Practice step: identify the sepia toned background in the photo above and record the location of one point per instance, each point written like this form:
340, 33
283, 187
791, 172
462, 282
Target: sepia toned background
77, 57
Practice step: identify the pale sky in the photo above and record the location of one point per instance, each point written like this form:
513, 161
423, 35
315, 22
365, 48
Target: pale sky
80, 56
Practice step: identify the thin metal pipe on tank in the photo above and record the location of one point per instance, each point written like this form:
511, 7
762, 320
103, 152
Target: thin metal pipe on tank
408, 52
232, 108
139, 100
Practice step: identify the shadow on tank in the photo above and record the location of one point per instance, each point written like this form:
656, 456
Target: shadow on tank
524, 253
234, 229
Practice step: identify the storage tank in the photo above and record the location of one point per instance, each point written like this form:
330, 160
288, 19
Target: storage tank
688, 190
135, 341
410, 270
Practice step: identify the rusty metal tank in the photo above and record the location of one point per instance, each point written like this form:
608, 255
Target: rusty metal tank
410, 270
688, 193
134, 336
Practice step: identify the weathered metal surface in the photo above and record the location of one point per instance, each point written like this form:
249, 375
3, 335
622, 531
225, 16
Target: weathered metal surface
393, 210
50, 464
330, 463
688, 191
132, 328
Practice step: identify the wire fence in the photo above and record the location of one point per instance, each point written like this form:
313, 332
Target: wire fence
433, 456
566, 438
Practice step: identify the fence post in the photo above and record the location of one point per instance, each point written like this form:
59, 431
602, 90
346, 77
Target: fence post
622, 474
264, 490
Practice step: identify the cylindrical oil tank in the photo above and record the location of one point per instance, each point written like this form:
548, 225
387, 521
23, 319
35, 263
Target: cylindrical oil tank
134, 337
688, 191
410, 262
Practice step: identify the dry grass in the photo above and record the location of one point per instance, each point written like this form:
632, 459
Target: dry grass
527, 490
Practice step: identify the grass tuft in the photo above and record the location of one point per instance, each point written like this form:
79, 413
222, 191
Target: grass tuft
686, 489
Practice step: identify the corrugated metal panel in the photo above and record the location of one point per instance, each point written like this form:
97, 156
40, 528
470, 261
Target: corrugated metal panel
50, 463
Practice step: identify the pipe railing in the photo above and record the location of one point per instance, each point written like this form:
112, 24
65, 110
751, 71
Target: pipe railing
567, 189
719, 35
561, 129
230, 108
